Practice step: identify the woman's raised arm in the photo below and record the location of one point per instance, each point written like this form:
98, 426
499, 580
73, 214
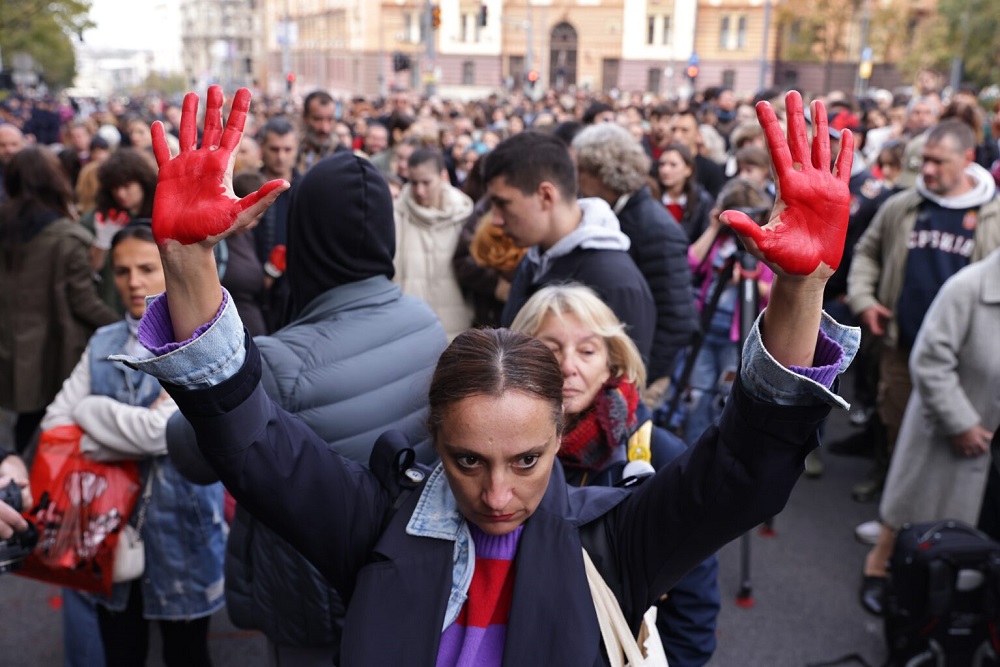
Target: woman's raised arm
195, 206
803, 241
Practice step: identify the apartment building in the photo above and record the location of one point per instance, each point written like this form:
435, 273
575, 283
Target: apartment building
467, 48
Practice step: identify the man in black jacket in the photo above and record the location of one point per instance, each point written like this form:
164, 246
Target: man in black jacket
531, 183
685, 129
613, 166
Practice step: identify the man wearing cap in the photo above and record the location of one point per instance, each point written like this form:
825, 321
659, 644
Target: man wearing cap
918, 239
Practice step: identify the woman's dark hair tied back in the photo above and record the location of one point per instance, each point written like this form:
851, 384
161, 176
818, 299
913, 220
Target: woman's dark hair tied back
140, 228
492, 362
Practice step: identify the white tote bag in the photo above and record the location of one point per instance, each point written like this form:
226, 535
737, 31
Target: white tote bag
623, 650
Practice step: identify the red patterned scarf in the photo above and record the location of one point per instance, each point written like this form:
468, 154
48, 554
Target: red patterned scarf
602, 428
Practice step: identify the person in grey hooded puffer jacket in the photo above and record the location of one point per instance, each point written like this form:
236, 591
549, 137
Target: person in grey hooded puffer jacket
355, 359
531, 182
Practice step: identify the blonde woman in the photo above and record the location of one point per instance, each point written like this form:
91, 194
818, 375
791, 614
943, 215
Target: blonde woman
602, 372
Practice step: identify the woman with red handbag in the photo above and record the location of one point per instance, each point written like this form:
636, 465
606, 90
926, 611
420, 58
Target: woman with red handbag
123, 415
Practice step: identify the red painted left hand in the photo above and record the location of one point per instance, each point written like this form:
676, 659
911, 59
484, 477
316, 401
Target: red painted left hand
194, 200
808, 225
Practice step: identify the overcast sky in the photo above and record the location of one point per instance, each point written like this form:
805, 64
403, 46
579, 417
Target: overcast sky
127, 24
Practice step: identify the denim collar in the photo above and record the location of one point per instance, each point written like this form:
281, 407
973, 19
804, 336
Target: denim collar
436, 514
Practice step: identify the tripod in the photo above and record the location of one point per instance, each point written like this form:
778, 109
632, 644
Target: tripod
749, 306
683, 391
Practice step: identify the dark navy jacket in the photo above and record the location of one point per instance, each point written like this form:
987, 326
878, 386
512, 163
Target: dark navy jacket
687, 618
659, 248
610, 273
339, 515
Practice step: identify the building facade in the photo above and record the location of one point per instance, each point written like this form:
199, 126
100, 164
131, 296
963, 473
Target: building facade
220, 42
467, 48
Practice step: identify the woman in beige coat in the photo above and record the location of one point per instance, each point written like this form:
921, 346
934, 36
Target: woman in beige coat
49, 305
942, 459
429, 214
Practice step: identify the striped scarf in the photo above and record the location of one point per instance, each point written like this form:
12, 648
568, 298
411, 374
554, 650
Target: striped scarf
602, 428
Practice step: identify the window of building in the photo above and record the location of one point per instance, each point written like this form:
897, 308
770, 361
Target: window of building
795, 32
741, 32
729, 78
658, 29
468, 73
408, 26
515, 70
653, 77
470, 27
724, 33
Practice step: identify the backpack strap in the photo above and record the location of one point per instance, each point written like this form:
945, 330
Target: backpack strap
394, 463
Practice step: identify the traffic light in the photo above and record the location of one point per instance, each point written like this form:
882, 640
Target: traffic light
482, 15
436, 17
692, 72
289, 81
532, 77
400, 62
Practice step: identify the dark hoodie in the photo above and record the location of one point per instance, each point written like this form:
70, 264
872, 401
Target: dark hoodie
355, 361
340, 227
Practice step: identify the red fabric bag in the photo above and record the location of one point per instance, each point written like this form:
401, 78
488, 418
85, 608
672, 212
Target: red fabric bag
81, 505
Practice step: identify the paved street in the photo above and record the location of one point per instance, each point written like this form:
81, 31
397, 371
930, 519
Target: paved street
804, 580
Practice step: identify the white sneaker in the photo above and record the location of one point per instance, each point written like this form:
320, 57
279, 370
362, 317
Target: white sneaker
861, 415
868, 532
814, 464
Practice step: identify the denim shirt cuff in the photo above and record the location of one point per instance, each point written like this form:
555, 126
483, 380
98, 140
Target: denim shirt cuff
213, 354
767, 380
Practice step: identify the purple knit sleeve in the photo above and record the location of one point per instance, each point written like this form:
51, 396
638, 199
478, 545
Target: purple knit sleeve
156, 333
829, 356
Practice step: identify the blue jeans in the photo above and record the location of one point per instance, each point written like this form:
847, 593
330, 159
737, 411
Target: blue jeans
81, 633
717, 354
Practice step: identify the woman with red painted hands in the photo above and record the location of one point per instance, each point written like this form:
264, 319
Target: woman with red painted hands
479, 562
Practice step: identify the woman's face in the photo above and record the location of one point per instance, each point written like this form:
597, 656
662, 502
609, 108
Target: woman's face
138, 273
582, 356
497, 454
876, 118
890, 171
756, 174
673, 171
138, 133
128, 197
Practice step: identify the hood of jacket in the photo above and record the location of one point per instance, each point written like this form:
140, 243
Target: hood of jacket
456, 207
983, 190
598, 230
340, 227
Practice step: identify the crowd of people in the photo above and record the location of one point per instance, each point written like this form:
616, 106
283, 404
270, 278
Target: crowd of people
377, 289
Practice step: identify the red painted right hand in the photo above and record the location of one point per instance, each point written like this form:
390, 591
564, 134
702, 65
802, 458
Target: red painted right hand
806, 231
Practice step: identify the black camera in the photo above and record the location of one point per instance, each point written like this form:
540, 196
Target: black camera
15, 549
